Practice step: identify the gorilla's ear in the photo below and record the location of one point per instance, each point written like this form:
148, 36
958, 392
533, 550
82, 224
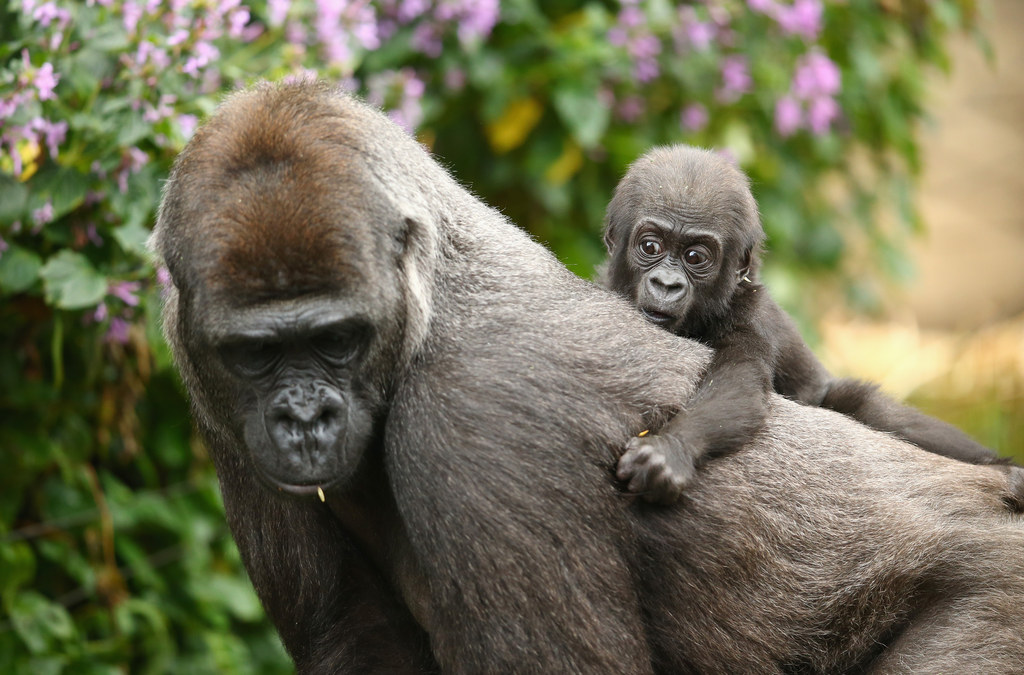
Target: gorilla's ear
745, 262
417, 260
611, 229
609, 238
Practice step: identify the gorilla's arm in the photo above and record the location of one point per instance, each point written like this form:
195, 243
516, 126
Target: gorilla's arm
865, 402
728, 409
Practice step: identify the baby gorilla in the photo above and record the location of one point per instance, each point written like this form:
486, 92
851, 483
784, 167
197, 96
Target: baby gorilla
683, 237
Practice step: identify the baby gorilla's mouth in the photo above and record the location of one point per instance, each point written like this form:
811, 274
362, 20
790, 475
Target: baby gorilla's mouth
657, 318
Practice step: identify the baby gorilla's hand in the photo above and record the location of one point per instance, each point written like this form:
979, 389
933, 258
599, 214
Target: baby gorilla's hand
657, 468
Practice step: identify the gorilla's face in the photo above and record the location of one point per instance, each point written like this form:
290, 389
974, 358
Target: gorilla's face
291, 304
297, 374
682, 233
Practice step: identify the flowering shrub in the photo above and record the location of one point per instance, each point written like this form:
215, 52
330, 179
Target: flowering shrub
113, 550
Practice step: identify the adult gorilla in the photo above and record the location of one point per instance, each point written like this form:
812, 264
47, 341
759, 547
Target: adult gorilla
352, 325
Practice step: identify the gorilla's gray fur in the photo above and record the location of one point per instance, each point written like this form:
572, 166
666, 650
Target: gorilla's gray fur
481, 529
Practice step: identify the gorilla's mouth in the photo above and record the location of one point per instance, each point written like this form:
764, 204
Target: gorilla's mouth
304, 489
655, 317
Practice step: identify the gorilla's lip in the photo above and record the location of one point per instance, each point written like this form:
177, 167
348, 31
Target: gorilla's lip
656, 317
300, 489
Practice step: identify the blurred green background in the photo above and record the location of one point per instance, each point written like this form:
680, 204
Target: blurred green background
114, 554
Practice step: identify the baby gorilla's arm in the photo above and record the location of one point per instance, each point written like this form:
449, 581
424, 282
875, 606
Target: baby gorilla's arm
728, 409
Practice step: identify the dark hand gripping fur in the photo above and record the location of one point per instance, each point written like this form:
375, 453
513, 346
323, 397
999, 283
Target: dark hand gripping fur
345, 316
684, 238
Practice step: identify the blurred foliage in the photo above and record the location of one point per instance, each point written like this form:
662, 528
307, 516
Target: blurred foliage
114, 555
973, 380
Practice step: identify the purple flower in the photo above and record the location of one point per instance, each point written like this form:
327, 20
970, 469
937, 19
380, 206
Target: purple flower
14, 101
645, 70
148, 51
478, 19
363, 25
692, 32
237, 21
3, 246
821, 113
816, 75
618, 36
788, 116
93, 235
49, 13
10, 138
694, 117
177, 37
735, 78
455, 79
131, 12
426, 38
53, 133
42, 215
411, 9
631, 17
100, 313
277, 11
187, 124
163, 109
630, 109
118, 331
644, 46
45, 81
125, 292
163, 277
700, 34
202, 54
131, 163
763, 6
802, 18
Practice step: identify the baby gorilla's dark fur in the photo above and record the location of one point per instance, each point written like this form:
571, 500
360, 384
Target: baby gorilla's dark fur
684, 236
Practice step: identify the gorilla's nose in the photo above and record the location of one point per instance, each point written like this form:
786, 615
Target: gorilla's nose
668, 286
306, 419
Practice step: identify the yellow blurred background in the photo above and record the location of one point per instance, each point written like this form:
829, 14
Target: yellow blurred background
952, 342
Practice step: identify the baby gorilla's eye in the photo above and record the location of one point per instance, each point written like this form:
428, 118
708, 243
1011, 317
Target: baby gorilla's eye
650, 247
696, 256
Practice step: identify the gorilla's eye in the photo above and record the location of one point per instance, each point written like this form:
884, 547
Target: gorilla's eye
650, 246
697, 256
250, 358
339, 345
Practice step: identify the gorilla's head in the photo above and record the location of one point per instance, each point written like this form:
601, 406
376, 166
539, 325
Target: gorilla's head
297, 274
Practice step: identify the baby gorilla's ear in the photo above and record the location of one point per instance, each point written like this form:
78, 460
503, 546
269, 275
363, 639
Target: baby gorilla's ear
744, 269
609, 235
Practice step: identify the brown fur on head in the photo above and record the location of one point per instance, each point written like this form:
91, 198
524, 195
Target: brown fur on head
252, 187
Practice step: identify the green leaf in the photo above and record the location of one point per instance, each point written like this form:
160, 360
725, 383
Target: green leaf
64, 188
586, 117
19, 269
133, 237
17, 566
71, 282
38, 621
13, 196
234, 593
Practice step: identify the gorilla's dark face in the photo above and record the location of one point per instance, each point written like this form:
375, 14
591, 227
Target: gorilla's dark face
672, 267
682, 234
289, 299
296, 373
